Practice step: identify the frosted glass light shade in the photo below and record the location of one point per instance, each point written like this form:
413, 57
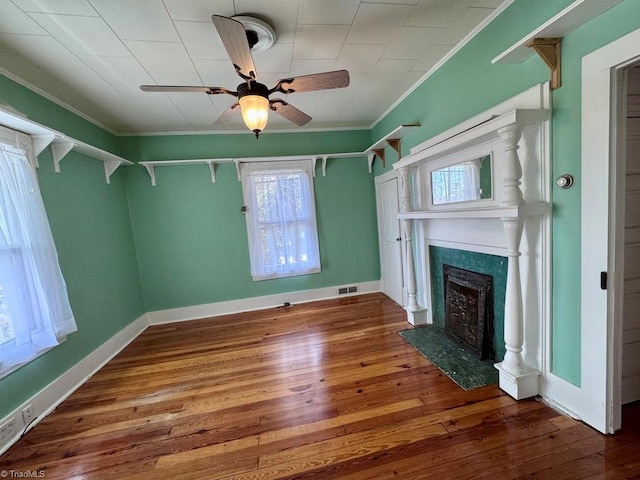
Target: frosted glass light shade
255, 112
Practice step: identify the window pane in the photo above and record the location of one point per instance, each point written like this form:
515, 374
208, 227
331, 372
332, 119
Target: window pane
281, 222
6, 327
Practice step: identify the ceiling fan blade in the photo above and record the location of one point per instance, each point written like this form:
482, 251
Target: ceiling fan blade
313, 82
289, 112
228, 114
186, 88
234, 39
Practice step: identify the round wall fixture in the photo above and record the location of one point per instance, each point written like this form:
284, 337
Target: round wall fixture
260, 34
565, 181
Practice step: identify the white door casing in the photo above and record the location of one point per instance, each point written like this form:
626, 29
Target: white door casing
601, 173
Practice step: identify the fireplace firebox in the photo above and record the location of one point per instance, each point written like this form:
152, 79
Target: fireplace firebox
469, 310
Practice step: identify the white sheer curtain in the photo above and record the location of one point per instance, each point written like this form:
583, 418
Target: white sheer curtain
281, 219
35, 314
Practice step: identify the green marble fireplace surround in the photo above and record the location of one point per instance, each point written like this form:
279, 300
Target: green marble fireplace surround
493, 265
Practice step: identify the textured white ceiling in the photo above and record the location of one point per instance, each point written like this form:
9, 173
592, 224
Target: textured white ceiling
91, 55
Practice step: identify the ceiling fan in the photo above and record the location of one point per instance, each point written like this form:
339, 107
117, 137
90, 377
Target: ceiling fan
253, 97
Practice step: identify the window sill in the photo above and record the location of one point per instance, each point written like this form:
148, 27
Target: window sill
259, 278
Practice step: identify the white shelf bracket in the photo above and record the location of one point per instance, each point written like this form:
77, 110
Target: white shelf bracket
152, 173
324, 165
314, 160
370, 157
237, 162
212, 169
110, 166
59, 150
40, 142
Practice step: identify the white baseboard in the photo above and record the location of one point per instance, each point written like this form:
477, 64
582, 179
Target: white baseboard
255, 303
47, 399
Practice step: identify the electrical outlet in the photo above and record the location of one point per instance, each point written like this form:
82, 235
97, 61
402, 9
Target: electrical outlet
7, 431
27, 414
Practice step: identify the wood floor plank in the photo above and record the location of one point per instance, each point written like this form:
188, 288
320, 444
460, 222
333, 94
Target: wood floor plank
305, 428
325, 390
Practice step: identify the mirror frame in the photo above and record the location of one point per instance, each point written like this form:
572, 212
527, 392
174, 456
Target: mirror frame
473, 153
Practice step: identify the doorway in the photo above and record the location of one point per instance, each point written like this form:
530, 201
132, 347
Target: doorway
388, 206
607, 331
630, 311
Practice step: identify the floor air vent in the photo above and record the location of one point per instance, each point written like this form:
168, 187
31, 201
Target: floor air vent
347, 290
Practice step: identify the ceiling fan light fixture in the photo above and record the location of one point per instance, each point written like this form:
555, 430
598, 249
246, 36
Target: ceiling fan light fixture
240, 36
255, 112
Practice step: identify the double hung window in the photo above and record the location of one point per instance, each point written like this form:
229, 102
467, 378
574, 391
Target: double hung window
281, 219
35, 314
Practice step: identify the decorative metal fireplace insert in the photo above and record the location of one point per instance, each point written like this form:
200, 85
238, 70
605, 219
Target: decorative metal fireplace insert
469, 310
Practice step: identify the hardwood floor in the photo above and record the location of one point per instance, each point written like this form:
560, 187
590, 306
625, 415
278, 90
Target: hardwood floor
326, 390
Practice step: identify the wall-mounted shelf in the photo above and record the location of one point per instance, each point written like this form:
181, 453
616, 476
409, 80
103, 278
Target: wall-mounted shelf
292, 158
61, 146
211, 162
559, 26
392, 139
377, 149
60, 143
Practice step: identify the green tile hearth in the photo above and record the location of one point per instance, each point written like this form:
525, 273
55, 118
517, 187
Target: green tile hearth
457, 363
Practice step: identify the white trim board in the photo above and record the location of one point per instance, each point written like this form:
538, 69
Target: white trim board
47, 399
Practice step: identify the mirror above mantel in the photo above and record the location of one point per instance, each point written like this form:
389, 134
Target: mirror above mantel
486, 155
466, 181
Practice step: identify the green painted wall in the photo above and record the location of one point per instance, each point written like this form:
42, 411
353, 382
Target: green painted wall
469, 84
92, 231
191, 238
45, 112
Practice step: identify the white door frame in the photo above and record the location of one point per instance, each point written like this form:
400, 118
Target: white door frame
379, 180
602, 159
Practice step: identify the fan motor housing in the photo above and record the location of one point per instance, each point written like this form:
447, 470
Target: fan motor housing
253, 88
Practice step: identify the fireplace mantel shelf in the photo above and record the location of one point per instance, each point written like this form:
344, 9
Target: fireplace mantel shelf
515, 211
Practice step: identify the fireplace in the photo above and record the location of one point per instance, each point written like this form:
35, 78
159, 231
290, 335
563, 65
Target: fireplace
514, 224
468, 300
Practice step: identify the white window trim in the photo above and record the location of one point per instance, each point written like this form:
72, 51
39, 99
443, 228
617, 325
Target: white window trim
307, 167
